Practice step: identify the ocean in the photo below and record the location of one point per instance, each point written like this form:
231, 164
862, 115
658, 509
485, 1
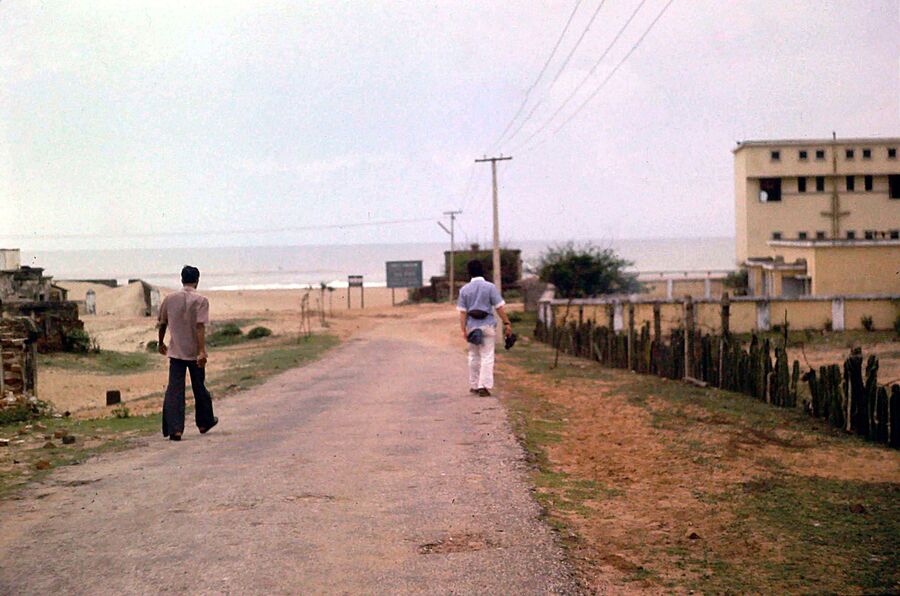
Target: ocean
275, 267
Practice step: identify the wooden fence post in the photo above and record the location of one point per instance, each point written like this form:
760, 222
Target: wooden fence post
688, 335
630, 336
657, 322
726, 314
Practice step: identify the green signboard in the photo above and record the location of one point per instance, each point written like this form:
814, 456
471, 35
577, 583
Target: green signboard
404, 274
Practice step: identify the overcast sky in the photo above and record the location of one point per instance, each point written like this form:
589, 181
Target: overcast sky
126, 117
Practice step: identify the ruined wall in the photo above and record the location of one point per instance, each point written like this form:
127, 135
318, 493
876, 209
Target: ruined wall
53, 321
19, 363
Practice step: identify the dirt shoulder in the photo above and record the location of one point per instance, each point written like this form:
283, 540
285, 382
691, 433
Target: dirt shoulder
667, 487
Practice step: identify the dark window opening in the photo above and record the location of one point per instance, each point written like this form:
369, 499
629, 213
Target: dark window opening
851, 183
895, 234
894, 186
851, 235
801, 184
776, 235
820, 154
870, 234
892, 153
868, 181
801, 235
867, 154
776, 155
820, 183
769, 190
803, 155
849, 153
820, 235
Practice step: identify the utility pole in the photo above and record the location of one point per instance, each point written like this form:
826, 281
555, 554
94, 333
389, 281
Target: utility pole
451, 231
496, 265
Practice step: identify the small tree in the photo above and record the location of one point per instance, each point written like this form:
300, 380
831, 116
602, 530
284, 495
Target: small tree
585, 271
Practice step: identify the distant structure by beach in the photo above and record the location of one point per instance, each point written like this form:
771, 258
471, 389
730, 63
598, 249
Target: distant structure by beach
818, 217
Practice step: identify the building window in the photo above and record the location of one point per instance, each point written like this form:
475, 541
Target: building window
851, 235
849, 153
820, 154
803, 155
851, 183
801, 236
801, 184
894, 186
867, 181
776, 155
769, 190
870, 234
892, 153
867, 154
895, 234
776, 235
820, 183
820, 235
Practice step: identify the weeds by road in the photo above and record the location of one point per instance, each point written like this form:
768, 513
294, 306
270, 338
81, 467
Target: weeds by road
670, 487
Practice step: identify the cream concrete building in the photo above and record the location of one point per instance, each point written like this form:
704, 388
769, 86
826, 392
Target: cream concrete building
819, 217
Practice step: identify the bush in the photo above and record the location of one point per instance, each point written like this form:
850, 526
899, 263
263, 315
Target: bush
24, 411
514, 317
121, 411
153, 346
259, 332
228, 330
868, 323
78, 341
225, 335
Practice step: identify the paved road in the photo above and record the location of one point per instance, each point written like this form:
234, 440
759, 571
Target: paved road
370, 471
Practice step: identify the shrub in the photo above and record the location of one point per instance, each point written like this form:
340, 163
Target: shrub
259, 332
153, 346
121, 411
868, 323
225, 335
228, 330
78, 340
515, 317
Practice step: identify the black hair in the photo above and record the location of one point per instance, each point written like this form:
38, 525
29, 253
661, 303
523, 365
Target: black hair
475, 268
190, 275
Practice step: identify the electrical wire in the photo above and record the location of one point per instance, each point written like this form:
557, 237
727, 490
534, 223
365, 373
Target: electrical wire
586, 77
537, 78
215, 232
560, 71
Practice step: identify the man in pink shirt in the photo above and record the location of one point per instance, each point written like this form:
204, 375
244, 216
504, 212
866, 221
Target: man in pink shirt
185, 315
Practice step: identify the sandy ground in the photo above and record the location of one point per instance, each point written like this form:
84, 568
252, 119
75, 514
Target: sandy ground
117, 328
370, 471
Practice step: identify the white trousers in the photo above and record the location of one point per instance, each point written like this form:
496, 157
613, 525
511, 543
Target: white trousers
481, 360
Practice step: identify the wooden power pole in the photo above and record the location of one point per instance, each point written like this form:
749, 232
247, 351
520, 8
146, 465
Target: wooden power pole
496, 265
452, 265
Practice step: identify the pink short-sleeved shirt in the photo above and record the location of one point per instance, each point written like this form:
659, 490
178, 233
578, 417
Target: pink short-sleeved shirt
182, 312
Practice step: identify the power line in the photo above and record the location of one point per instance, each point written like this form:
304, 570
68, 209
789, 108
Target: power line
615, 69
586, 78
561, 69
538, 78
215, 232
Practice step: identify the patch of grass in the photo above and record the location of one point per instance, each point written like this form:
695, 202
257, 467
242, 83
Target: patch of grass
828, 536
825, 339
91, 438
106, 362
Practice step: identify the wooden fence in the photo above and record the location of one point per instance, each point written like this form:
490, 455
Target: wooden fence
849, 397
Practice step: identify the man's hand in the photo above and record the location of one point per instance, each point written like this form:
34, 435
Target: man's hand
202, 359
465, 335
507, 329
163, 349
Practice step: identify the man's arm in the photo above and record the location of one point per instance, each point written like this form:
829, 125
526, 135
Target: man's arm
201, 345
162, 336
507, 325
462, 324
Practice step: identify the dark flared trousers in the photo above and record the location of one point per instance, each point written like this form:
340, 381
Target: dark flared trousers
173, 406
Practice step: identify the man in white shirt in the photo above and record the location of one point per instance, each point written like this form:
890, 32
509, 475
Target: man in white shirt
477, 301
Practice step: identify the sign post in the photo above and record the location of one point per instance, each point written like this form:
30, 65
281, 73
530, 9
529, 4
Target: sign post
356, 281
403, 274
